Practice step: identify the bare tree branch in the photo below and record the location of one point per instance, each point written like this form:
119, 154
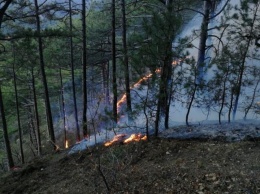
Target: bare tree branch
3, 9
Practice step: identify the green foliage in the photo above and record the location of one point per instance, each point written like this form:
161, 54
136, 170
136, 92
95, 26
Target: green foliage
152, 27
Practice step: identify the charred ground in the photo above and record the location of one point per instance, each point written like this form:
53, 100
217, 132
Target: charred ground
155, 166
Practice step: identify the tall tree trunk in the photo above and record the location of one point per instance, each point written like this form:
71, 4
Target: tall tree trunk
63, 110
157, 117
105, 76
243, 63
164, 93
17, 111
165, 85
223, 97
44, 80
209, 8
18, 119
31, 124
125, 61
5, 131
203, 40
168, 89
190, 104
6, 138
201, 52
84, 66
72, 75
252, 100
114, 72
38, 133
240, 79
231, 105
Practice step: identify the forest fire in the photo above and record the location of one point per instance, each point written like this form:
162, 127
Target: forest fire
120, 138
123, 99
123, 138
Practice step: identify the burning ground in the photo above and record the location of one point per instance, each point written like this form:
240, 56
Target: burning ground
160, 165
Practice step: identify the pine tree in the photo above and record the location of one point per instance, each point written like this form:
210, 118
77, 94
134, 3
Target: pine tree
5, 4
125, 61
17, 108
243, 34
44, 80
113, 52
84, 70
73, 72
6, 137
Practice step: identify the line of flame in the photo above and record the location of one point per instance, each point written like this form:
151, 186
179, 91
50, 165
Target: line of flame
123, 99
135, 137
117, 138
120, 139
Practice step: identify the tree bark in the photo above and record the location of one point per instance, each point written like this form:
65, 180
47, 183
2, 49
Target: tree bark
84, 70
208, 6
157, 118
6, 138
38, 133
163, 105
231, 105
63, 109
125, 61
105, 76
5, 131
202, 44
243, 63
240, 79
166, 70
44, 80
114, 72
252, 100
17, 110
190, 104
72, 75
223, 98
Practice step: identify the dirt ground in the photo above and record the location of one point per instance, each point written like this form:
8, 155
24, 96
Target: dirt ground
154, 166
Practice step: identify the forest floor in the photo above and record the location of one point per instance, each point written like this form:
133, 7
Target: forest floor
160, 165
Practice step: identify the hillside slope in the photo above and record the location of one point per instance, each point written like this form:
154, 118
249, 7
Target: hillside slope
156, 166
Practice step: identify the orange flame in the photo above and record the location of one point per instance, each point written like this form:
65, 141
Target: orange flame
117, 138
135, 137
120, 139
66, 144
123, 99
